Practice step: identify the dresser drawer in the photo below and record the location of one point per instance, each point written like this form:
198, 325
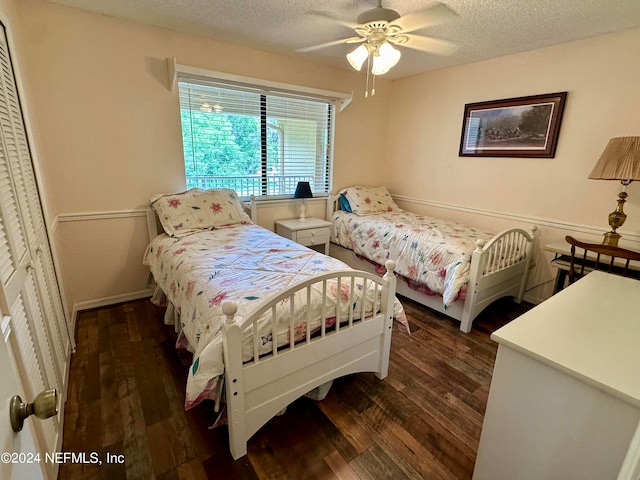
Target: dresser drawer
313, 236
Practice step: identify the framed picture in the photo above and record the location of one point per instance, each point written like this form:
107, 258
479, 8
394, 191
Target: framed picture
514, 127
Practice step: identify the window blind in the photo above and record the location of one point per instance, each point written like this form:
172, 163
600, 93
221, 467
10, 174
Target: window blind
256, 141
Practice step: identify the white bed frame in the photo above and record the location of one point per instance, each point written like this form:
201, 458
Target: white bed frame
259, 389
490, 277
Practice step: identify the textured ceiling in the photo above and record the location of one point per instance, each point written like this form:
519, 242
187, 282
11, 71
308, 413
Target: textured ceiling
484, 29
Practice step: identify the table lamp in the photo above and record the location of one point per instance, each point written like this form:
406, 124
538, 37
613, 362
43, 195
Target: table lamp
303, 190
619, 161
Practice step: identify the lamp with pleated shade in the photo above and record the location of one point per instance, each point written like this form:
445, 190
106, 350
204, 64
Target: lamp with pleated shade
303, 190
619, 161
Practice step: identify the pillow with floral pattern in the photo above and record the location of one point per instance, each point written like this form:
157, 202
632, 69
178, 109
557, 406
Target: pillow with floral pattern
366, 200
194, 210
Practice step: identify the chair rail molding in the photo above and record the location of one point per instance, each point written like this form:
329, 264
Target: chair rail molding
545, 222
97, 215
100, 215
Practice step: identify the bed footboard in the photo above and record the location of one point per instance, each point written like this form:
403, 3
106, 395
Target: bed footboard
349, 340
499, 269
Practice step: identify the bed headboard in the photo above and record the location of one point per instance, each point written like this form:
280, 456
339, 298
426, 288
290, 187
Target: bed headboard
333, 205
154, 227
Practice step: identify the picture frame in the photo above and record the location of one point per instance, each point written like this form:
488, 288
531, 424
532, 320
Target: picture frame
513, 127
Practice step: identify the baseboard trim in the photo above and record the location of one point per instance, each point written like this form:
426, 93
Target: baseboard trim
103, 302
545, 222
533, 299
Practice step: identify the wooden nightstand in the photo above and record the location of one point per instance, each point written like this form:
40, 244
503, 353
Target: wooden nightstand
310, 233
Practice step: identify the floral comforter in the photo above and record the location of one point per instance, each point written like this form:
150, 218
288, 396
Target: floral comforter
428, 251
246, 264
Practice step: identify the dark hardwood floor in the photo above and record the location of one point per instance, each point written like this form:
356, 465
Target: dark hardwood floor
126, 394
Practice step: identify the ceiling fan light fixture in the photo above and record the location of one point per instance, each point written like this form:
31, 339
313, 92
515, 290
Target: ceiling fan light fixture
358, 56
385, 59
380, 29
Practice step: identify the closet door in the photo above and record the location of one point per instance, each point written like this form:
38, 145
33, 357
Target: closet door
16, 276
39, 341
14, 133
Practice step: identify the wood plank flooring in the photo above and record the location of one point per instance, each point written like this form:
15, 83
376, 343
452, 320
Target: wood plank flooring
126, 396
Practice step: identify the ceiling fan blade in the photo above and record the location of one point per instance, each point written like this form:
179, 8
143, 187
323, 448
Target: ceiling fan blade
331, 44
427, 44
435, 15
333, 18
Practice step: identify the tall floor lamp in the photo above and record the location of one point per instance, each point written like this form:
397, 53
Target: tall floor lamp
303, 190
619, 161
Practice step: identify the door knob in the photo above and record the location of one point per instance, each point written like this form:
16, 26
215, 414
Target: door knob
45, 405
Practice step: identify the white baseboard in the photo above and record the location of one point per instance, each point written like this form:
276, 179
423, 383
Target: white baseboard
534, 299
103, 302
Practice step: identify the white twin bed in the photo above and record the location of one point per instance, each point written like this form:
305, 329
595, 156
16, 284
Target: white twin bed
267, 320
452, 268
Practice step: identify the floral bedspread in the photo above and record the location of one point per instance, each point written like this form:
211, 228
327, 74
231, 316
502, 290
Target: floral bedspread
432, 252
246, 264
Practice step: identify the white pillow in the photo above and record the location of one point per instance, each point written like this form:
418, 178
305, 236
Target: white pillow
366, 200
196, 210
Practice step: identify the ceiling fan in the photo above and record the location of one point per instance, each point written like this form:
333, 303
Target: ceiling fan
380, 28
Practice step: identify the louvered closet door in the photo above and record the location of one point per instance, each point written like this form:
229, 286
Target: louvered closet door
18, 293
22, 171
39, 342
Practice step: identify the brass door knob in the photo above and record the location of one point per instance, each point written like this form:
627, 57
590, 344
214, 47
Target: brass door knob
45, 405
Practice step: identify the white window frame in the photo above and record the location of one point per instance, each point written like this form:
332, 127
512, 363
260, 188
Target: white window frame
340, 99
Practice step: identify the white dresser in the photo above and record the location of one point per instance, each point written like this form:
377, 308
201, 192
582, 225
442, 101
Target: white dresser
564, 402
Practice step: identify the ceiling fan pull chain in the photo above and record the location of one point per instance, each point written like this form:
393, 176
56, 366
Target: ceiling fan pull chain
373, 88
366, 88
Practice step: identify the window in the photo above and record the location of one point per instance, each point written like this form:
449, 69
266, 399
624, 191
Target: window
255, 141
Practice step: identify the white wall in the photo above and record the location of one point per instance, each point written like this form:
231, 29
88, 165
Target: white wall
603, 97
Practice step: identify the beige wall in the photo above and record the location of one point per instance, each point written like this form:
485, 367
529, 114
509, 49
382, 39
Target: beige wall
603, 97
16, 36
108, 135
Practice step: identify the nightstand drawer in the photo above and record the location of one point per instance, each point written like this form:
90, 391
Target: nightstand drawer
310, 233
314, 236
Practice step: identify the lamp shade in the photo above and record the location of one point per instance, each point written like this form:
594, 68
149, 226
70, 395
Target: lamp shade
357, 57
386, 58
303, 190
620, 160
